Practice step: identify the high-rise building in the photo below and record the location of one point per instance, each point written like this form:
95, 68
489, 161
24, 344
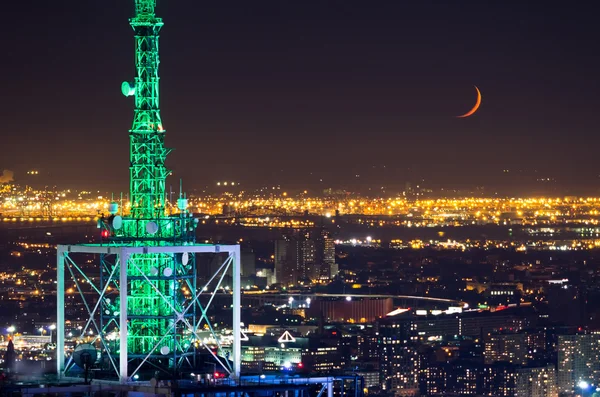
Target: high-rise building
248, 260
281, 249
296, 260
399, 361
499, 380
326, 255
578, 361
511, 348
536, 382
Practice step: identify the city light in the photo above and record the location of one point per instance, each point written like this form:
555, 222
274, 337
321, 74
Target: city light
583, 384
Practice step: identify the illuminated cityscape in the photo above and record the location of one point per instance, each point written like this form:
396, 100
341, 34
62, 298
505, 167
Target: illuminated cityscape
386, 200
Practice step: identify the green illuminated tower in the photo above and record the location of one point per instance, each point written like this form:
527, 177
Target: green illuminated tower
147, 316
156, 282
147, 149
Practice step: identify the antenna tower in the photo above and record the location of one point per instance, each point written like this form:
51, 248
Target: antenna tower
148, 314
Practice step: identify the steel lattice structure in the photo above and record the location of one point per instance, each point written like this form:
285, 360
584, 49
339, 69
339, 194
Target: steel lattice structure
147, 258
147, 147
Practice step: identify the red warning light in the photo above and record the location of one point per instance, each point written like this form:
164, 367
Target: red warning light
105, 233
216, 375
300, 365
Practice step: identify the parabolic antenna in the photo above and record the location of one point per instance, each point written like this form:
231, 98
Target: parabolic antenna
168, 272
165, 350
117, 222
151, 228
85, 355
185, 258
127, 88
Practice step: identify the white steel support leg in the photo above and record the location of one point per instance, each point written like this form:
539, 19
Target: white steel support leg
237, 302
123, 262
330, 388
60, 311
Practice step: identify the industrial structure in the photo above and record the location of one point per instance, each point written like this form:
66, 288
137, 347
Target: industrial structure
144, 305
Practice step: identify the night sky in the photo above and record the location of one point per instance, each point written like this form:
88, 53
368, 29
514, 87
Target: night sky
295, 92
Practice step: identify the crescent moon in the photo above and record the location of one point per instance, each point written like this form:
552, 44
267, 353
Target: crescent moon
477, 104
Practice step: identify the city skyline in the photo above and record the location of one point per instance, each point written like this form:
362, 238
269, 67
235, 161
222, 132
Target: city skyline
309, 94
384, 199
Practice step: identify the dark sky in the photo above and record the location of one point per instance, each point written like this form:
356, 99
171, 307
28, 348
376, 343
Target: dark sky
292, 92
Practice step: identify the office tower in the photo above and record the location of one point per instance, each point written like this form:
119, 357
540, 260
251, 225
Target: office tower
296, 260
326, 255
281, 248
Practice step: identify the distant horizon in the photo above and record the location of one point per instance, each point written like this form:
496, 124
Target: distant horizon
526, 187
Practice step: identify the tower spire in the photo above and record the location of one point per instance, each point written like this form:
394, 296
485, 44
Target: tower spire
147, 171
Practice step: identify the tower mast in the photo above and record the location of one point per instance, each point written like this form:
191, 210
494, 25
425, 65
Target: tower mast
147, 169
149, 310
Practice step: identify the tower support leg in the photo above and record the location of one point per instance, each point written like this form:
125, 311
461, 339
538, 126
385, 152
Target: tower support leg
123, 261
60, 312
237, 302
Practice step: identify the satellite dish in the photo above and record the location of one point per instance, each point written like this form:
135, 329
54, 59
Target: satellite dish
185, 258
168, 272
151, 228
153, 271
85, 355
117, 222
153, 382
165, 350
127, 88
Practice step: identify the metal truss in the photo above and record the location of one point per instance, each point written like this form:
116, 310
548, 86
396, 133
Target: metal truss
138, 315
147, 149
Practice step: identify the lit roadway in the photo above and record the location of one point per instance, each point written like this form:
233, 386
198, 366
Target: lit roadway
416, 298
